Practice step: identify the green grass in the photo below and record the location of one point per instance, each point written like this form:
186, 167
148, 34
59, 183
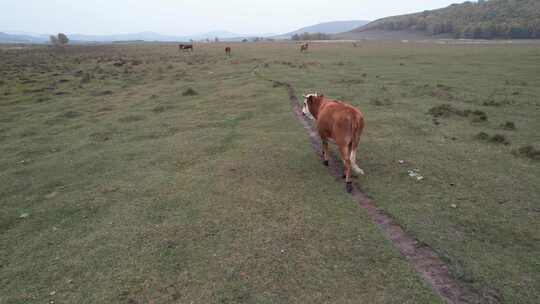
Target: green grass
492, 239
139, 194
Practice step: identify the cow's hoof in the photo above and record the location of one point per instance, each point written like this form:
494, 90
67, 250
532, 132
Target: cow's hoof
349, 187
325, 163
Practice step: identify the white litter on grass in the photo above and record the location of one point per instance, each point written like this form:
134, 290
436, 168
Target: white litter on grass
414, 174
401, 161
51, 195
24, 215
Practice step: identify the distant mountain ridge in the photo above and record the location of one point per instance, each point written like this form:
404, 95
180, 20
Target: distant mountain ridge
325, 27
332, 27
152, 36
9, 38
478, 20
142, 36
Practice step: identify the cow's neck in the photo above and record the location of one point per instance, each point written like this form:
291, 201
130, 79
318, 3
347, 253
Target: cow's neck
316, 107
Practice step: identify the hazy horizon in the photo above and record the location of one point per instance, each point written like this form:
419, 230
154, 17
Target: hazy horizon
188, 17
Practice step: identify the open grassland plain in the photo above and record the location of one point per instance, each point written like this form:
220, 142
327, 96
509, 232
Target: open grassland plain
144, 175
139, 174
468, 118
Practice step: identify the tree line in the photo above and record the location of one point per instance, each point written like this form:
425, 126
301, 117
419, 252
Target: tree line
59, 40
310, 36
516, 19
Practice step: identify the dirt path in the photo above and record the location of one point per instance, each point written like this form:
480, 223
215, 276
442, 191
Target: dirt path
424, 260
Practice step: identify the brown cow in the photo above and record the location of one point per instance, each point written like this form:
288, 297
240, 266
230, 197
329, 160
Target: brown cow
304, 47
185, 47
228, 51
341, 122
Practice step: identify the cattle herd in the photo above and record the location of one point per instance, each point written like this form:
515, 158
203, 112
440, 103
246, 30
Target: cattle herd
334, 119
189, 48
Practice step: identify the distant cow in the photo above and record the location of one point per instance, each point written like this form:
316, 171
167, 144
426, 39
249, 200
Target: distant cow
341, 122
185, 47
304, 47
228, 51
356, 44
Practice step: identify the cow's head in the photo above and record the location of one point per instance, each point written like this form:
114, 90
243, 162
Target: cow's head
311, 105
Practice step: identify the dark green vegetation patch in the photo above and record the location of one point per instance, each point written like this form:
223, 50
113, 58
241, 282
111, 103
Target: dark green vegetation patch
189, 92
447, 110
528, 152
496, 138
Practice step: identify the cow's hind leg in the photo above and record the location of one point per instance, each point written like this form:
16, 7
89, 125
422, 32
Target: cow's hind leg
354, 166
345, 157
325, 151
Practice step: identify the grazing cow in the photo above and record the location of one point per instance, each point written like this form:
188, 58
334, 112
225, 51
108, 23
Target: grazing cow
341, 122
304, 47
228, 51
355, 44
185, 47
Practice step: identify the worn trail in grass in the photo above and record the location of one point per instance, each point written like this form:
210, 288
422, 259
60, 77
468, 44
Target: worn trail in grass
424, 260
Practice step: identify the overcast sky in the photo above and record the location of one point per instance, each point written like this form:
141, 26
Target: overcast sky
180, 17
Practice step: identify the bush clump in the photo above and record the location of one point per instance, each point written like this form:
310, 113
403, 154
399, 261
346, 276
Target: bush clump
446, 110
482, 136
499, 139
496, 139
189, 92
86, 78
527, 152
477, 115
508, 126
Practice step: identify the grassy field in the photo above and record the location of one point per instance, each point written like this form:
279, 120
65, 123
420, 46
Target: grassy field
137, 174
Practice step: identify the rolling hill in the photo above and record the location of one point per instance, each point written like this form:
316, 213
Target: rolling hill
332, 27
11, 38
502, 19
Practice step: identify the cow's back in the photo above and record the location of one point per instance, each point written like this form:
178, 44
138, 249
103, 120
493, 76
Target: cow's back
339, 121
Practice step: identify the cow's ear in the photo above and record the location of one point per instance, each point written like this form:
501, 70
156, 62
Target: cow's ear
321, 95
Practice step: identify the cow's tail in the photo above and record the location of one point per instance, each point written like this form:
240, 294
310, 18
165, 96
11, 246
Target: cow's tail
357, 128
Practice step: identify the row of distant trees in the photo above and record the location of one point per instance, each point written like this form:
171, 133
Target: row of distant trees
490, 30
480, 30
310, 36
59, 40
